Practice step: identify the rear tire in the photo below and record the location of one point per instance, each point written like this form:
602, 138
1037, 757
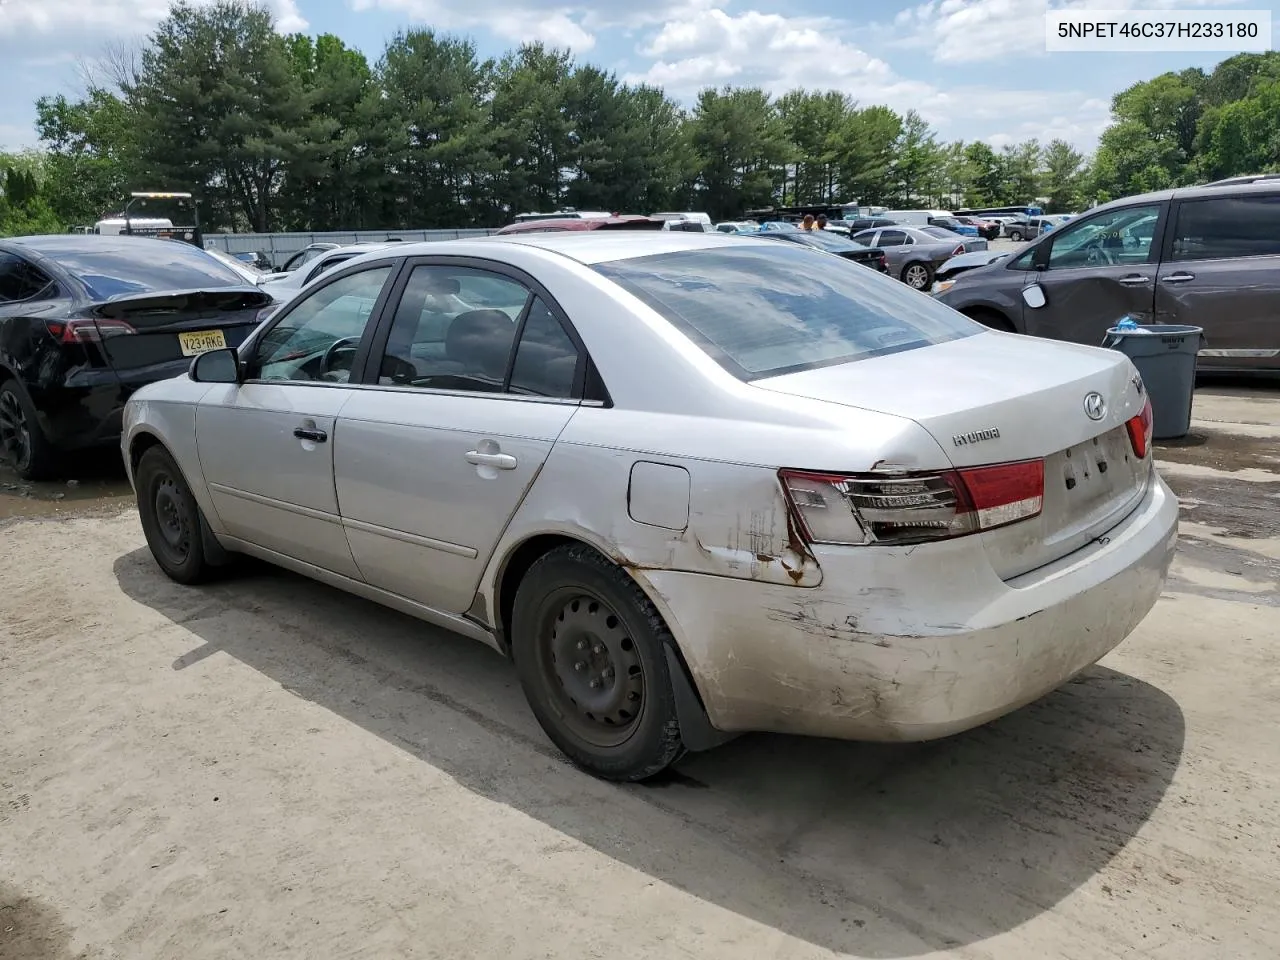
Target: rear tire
1015, 236
171, 518
22, 442
917, 276
590, 650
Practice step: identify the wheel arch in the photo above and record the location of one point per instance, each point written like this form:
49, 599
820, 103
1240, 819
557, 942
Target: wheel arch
695, 726
990, 316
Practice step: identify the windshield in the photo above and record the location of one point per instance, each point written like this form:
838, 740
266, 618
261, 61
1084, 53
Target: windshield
761, 313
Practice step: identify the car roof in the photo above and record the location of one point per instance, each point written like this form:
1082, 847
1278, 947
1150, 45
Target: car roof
589, 246
54, 244
1199, 192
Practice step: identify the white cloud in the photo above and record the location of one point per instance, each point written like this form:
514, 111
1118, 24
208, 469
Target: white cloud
973, 31
554, 23
711, 47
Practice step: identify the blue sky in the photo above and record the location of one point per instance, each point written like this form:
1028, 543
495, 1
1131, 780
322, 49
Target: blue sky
976, 69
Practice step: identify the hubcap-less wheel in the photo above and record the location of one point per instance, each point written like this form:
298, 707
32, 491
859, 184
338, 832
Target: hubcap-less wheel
171, 519
916, 277
593, 669
15, 433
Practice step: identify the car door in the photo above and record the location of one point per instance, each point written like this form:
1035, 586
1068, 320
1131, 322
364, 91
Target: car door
473, 376
896, 245
1095, 271
1221, 271
266, 445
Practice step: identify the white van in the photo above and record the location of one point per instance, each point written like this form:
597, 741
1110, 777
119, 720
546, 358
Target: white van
914, 218
114, 226
691, 222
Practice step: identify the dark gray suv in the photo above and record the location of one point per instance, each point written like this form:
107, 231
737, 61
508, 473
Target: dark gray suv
1208, 256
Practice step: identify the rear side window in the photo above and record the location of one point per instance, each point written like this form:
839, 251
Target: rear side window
20, 280
761, 313
1221, 229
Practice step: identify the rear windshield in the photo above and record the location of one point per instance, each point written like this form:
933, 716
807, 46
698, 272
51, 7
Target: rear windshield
136, 266
764, 312
831, 241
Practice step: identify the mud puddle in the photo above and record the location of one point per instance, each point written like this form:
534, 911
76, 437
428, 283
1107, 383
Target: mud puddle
93, 485
1222, 451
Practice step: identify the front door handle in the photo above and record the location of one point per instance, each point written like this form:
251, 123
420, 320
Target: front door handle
315, 436
1134, 280
499, 461
1178, 277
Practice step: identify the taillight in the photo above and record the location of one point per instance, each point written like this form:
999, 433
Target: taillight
958, 250
87, 331
884, 263
1140, 429
840, 508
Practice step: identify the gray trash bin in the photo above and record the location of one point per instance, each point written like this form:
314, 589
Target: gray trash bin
1165, 355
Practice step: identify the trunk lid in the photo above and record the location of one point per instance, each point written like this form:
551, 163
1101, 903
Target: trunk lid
142, 331
999, 398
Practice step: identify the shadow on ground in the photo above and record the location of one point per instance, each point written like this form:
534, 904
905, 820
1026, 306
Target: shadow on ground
870, 850
30, 930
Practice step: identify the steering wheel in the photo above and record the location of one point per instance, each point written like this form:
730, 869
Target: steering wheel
346, 343
1097, 255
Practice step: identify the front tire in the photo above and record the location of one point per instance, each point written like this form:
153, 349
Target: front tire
590, 650
917, 276
22, 442
171, 518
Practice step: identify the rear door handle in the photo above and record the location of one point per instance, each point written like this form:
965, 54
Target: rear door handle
499, 461
1178, 277
315, 436
1134, 280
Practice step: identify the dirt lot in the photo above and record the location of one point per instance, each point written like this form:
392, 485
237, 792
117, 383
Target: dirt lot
266, 768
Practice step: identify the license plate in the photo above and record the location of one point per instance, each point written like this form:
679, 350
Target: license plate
201, 341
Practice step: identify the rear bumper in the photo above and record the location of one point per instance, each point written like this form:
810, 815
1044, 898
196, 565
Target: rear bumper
912, 644
86, 409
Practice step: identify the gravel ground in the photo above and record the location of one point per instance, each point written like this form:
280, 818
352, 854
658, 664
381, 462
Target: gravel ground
266, 768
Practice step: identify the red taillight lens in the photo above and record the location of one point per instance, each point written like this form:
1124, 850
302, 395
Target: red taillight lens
884, 263
912, 507
1140, 429
958, 250
87, 331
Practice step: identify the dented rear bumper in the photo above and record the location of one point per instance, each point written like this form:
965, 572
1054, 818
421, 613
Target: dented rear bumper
912, 643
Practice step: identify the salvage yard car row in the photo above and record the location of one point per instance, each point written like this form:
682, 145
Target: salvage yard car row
675, 476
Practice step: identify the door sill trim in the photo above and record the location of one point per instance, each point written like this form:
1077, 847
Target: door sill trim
456, 624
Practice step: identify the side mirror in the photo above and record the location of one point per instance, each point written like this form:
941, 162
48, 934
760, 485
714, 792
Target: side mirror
216, 366
1033, 296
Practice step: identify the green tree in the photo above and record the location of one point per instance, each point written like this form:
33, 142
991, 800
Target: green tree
532, 127
864, 153
92, 154
24, 208
741, 148
813, 123
220, 109
1062, 178
916, 160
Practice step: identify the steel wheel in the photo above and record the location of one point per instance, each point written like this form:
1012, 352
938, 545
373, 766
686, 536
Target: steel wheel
916, 276
172, 519
592, 667
15, 431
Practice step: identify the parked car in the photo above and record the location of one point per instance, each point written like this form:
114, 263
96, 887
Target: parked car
913, 255
1026, 228
872, 257
987, 229
627, 222
737, 226
282, 287
250, 274
1205, 256
86, 319
679, 481
306, 255
971, 244
256, 259
864, 223
955, 225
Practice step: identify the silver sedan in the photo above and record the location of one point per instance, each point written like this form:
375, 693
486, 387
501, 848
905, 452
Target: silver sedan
913, 253
692, 484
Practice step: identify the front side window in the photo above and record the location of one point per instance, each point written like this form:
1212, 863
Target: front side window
316, 341
453, 329
1227, 228
762, 313
1123, 236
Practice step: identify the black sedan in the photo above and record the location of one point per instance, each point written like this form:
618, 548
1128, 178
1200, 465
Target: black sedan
85, 320
872, 257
